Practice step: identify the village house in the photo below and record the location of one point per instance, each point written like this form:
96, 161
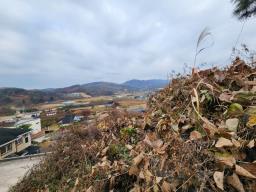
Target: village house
51, 112
13, 140
70, 119
33, 123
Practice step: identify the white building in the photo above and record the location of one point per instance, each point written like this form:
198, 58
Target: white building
35, 124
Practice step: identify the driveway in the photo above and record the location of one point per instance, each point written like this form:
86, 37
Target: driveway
12, 171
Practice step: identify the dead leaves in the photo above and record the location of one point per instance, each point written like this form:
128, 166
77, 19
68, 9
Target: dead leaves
225, 159
137, 160
243, 172
223, 142
194, 135
235, 182
166, 187
219, 179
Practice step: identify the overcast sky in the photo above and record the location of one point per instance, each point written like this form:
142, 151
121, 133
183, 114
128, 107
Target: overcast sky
46, 43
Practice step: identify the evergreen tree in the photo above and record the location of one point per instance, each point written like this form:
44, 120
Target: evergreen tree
244, 8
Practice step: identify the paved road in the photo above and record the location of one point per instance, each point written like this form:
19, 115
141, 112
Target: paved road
12, 171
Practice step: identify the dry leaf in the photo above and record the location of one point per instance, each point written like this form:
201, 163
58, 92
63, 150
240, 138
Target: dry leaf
157, 144
243, 172
130, 147
146, 163
134, 170
90, 189
210, 128
155, 188
159, 179
194, 135
219, 178
163, 160
235, 182
252, 121
251, 167
223, 142
136, 188
112, 182
148, 176
236, 143
104, 151
138, 159
251, 144
226, 97
166, 187
141, 175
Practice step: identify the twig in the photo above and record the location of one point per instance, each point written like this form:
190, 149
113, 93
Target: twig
185, 182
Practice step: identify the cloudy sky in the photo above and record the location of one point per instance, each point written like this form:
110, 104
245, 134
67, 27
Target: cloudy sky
46, 43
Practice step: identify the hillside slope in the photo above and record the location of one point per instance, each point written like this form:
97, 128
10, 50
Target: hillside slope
198, 135
96, 88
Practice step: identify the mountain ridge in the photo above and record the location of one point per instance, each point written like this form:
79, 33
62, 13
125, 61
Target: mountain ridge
19, 96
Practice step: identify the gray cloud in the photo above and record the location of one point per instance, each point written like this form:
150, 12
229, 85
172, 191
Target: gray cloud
58, 43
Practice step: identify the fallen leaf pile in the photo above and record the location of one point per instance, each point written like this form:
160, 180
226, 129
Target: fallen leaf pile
198, 134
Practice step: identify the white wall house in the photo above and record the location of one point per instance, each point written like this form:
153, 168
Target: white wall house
35, 124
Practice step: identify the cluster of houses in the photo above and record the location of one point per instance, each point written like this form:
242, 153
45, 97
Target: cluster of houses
17, 136
17, 133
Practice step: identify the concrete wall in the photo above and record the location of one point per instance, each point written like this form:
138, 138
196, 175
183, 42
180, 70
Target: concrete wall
9, 152
24, 145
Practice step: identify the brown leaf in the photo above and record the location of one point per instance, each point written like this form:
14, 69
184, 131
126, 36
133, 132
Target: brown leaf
152, 136
235, 182
162, 150
236, 143
219, 178
146, 163
157, 144
138, 159
111, 182
148, 176
136, 188
141, 175
251, 167
251, 144
163, 160
134, 170
159, 179
226, 97
90, 189
219, 76
243, 172
104, 151
194, 135
223, 142
210, 128
166, 187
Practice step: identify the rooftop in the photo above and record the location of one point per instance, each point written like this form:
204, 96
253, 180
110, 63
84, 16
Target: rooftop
9, 134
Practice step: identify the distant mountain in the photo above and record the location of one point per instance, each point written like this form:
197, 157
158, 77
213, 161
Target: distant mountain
151, 84
21, 97
96, 88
